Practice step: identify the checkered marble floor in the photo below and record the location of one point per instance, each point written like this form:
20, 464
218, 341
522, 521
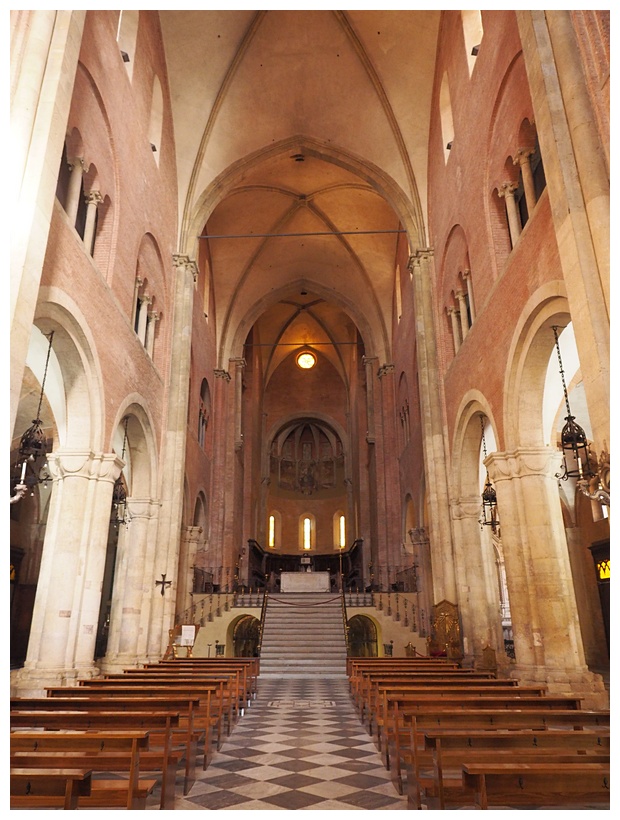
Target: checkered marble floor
299, 746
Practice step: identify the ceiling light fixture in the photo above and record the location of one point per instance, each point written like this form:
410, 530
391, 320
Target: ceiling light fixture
306, 360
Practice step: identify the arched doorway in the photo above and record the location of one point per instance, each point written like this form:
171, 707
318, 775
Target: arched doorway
246, 637
362, 637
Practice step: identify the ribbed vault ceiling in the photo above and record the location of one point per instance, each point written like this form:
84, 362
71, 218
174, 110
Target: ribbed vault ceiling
295, 131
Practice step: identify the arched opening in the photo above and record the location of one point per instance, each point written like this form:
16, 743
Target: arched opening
246, 637
362, 637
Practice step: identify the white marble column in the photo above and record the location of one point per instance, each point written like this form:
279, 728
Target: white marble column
514, 223
93, 200
460, 297
524, 162
470, 293
66, 610
455, 329
547, 637
439, 528
74, 190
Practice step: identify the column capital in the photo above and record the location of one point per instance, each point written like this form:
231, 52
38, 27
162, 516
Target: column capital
84, 464
239, 362
527, 461
522, 156
466, 273
385, 370
422, 254
184, 264
222, 374
93, 198
507, 189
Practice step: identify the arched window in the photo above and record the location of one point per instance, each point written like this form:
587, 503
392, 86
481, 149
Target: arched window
307, 532
340, 530
126, 36
156, 119
472, 33
445, 110
204, 412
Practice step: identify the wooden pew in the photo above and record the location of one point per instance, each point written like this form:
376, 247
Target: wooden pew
406, 735
537, 784
439, 783
407, 703
105, 752
251, 665
372, 697
159, 724
211, 696
47, 787
164, 758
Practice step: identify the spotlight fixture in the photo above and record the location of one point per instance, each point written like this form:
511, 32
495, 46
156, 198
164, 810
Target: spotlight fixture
489, 496
306, 360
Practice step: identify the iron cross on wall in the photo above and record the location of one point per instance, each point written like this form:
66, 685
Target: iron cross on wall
163, 583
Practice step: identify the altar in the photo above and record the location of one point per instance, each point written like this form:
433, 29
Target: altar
305, 582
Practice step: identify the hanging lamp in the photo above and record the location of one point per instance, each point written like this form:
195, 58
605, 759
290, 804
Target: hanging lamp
489, 496
119, 493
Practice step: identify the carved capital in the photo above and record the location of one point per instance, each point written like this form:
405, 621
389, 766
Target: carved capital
385, 370
184, 264
507, 189
222, 374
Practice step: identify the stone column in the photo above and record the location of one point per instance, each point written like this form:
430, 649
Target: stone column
578, 186
455, 329
514, 223
470, 293
190, 538
132, 594
369, 363
460, 296
439, 530
390, 469
45, 47
524, 163
547, 637
143, 316
478, 590
66, 610
75, 188
151, 323
223, 437
175, 435
93, 200
239, 368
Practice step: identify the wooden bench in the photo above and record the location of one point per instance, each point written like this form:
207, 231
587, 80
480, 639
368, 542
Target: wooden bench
405, 735
158, 724
210, 712
250, 667
408, 702
126, 751
567, 785
372, 704
48, 787
438, 780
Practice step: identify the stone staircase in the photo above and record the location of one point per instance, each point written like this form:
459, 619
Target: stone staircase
303, 636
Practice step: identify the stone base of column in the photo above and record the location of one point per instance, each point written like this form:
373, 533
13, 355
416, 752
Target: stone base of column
113, 664
32, 683
579, 682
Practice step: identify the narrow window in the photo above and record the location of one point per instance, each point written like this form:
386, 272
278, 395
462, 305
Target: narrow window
272, 531
343, 538
307, 534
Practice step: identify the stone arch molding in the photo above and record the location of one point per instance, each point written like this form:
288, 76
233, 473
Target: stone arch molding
141, 450
82, 379
529, 353
466, 445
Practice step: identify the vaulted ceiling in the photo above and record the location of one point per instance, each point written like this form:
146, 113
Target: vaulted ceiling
302, 143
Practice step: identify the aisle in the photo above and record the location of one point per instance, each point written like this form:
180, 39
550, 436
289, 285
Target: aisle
299, 746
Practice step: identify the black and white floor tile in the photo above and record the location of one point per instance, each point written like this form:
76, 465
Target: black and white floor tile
300, 746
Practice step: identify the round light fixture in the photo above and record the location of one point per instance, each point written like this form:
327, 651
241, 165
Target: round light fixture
306, 360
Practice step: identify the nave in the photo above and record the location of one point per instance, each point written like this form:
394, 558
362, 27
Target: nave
300, 745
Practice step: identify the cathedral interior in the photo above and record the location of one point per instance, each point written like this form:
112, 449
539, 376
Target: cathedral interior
310, 291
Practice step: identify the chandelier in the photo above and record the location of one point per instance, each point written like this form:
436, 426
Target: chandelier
119, 493
578, 460
489, 496
33, 444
